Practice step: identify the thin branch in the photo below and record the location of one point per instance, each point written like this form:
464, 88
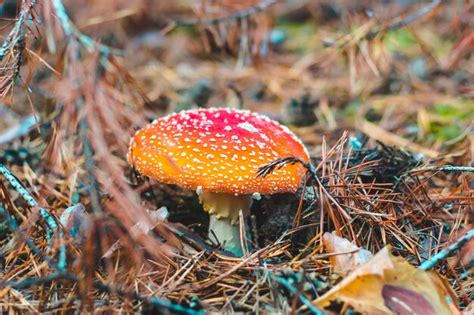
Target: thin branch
401, 22
153, 301
70, 30
51, 225
269, 168
17, 32
90, 167
262, 6
18, 186
14, 228
445, 168
287, 285
14, 47
415, 16
445, 253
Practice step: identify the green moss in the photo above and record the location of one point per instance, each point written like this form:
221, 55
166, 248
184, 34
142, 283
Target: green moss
441, 132
351, 109
463, 110
452, 120
399, 40
403, 41
299, 36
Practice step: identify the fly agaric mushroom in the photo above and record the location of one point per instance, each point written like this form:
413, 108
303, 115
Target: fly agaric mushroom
217, 152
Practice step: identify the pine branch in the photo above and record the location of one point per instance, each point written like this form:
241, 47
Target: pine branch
18, 186
70, 30
102, 287
13, 48
269, 168
51, 225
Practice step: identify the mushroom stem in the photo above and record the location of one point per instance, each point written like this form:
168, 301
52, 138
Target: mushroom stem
224, 217
227, 234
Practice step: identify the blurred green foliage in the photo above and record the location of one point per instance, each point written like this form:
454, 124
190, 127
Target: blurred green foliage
300, 37
451, 120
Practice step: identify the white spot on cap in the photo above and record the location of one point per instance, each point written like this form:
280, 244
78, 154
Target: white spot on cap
248, 126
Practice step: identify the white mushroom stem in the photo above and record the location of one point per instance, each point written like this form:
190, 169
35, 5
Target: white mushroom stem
227, 234
224, 217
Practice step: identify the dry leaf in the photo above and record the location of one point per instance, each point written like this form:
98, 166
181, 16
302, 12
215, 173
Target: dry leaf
469, 310
77, 222
347, 255
406, 302
388, 284
157, 216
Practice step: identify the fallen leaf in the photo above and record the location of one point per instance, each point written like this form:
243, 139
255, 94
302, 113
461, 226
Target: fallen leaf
387, 284
469, 310
347, 256
157, 215
406, 302
76, 221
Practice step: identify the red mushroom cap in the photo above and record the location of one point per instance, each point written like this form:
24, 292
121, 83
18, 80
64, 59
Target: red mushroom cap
218, 150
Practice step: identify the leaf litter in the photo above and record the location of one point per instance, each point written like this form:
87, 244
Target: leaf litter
383, 103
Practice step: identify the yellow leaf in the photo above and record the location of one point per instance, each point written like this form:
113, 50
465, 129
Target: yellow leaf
387, 284
347, 256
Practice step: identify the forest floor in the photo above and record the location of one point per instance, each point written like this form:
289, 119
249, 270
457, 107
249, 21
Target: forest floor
381, 95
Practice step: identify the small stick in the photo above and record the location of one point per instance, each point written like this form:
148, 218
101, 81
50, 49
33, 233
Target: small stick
16, 184
102, 287
445, 253
445, 168
17, 32
51, 224
294, 291
71, 30
13, 227
262, 6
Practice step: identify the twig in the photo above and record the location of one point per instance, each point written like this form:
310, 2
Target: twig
13, 227
70, 30
90, 166
415, 16
34, 281
157, 302
364, 32
269, 168
445, 253
378, 133
154, 301
16, 184
445, 168
263, 5
16, 34
402, 22
20, 129
51, 225
285, 283
14, 45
